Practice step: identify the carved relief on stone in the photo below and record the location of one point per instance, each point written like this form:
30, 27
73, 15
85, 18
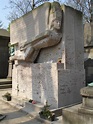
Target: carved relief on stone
55, 20
30, 49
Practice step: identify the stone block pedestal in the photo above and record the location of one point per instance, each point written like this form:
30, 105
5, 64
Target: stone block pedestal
72, 116
47, 82
83, 113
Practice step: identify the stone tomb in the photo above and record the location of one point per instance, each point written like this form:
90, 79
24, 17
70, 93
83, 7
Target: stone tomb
4, 54
42, 37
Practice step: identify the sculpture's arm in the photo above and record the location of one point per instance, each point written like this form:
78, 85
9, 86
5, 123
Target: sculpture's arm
54, 32
49, 38
52, 39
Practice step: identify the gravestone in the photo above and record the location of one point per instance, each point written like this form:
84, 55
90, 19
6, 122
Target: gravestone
41, 38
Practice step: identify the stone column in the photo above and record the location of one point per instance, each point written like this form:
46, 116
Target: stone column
9, 70
73, 37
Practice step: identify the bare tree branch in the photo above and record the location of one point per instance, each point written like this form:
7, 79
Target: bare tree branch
21, 7
82, 5
1, 24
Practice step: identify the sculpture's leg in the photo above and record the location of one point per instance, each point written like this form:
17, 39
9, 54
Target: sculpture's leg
41, 44
34, 56
53, 39
17, 57
28, 52
23, 55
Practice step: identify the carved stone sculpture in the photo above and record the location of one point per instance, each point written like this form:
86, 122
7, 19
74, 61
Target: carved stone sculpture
29, 50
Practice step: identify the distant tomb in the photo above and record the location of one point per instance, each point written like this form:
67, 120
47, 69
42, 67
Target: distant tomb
4, 52
49, 55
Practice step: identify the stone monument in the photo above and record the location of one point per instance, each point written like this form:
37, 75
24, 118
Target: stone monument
40, 38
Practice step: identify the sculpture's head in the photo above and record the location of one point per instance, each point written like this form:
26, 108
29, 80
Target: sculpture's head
56, 15
56, 24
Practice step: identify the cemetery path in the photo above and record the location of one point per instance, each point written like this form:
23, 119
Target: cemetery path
16, 115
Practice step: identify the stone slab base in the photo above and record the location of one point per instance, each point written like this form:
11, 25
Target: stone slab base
71, 115
19, 101
5, 83
34, 107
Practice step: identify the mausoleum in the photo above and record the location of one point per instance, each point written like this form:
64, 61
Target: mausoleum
4, 52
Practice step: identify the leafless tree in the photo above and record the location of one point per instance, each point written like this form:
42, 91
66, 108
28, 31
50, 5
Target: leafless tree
84, 6
21, 7
1, 24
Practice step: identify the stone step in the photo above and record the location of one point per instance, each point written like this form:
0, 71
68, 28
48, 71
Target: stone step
34, 114
34, 107
5, 86
19, 101
8, 82
5, 81
71, 115
38, 107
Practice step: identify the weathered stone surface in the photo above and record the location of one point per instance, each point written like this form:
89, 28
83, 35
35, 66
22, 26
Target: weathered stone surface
39, 84
73, 40
9, 76
81, 113
72, 116
44, 36
87, 91
87, 100
70, 82
88, 40
88, 34
4, 33
46, 80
